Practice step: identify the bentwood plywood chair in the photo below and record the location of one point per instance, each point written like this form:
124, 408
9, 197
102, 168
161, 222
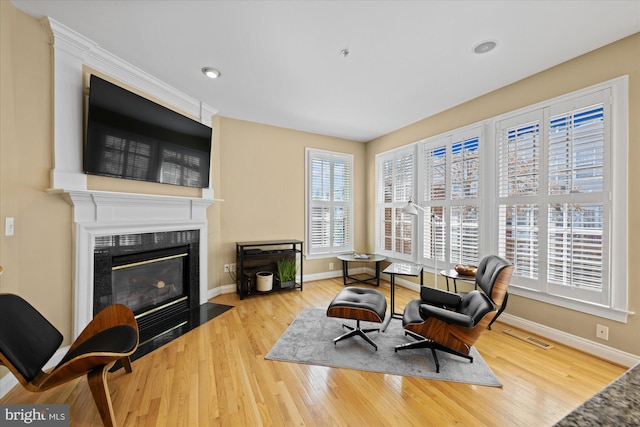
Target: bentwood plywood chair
28, 341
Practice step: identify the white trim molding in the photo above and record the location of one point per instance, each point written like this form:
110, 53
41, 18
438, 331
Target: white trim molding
72, 51
591, 347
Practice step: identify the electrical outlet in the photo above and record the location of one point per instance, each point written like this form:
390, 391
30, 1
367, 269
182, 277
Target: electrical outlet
602, 332
232, 267
226, 268
330, 266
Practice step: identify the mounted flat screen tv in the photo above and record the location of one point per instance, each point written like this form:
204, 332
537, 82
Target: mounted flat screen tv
131, 137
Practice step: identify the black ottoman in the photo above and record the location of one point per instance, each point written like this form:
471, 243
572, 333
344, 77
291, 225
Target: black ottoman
358, 304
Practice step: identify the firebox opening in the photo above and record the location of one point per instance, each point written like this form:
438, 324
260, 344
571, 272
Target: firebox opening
155, 274
153, 280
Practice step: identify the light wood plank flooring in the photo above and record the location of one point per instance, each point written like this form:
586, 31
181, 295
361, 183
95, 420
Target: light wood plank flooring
217, 375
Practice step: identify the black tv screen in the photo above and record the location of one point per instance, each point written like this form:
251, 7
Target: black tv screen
131, 137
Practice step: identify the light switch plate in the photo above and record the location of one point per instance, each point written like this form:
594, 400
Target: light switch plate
8, 226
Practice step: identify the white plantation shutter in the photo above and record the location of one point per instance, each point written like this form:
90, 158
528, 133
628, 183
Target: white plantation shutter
329, 202
394, 187
553, 198
518, 238
464, 212
450, 168
576, 151
464, 168
464, 234
519, 146
519, 159
578, 204
575, 245
435, 166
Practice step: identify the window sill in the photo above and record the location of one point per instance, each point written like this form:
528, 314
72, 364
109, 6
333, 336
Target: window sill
325, 255
617, 315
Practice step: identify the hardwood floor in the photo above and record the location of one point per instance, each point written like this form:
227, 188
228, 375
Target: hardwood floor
217, 375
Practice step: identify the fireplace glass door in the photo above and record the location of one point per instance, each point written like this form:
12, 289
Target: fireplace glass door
145, 285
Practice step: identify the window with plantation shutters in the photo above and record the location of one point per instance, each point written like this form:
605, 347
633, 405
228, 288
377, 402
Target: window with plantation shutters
553, 201
544, 187
329, 193
450, 171
394, 187
577, 201
518, 152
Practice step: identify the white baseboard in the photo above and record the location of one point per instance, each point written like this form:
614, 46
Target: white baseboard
591, 347
224, 289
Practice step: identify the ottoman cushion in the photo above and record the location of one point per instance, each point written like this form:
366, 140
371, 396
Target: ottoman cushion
359, 304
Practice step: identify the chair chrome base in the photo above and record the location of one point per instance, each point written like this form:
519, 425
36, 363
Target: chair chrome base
357, 331
425, 343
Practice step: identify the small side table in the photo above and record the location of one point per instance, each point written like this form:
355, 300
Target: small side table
455, 276
347, 258
401, 269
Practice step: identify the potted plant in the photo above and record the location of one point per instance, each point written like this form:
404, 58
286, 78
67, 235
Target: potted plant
287, 269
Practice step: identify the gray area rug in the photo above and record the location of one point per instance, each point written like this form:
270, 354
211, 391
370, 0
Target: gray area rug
309, 339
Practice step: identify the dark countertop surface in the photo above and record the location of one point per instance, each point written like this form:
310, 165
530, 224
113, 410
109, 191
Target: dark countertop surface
618, 404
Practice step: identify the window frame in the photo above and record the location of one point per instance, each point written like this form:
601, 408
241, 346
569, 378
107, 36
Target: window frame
614, 302
312, 252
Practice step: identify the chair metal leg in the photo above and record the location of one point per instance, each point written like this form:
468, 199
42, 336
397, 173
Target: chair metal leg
433, 346
357, 331
500, 310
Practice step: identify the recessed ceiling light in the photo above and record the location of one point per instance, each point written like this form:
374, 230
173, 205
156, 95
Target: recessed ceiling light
484, 47
210, 72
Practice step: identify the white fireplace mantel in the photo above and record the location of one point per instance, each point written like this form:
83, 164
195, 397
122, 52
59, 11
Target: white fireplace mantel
98, 213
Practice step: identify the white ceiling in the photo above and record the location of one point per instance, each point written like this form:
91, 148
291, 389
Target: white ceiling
281, 61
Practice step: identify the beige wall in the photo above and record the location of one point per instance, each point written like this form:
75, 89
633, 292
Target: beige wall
617, 59
263, 178
37, 259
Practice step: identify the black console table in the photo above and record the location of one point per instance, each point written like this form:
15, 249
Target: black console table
257, 256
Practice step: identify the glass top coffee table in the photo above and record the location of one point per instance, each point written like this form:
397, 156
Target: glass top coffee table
347, 258
401, 269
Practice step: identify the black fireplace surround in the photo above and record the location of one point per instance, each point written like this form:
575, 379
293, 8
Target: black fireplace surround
156, 274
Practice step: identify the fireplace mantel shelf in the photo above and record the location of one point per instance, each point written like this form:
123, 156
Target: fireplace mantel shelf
91, 206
